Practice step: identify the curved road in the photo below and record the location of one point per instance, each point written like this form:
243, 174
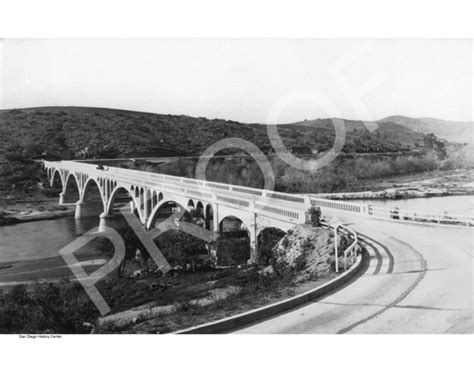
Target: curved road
414, 279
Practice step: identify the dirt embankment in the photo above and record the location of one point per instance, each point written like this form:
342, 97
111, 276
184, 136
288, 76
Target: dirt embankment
145, 301
301, 260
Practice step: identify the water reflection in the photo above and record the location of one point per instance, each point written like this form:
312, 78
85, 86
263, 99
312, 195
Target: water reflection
41, 239
44, 239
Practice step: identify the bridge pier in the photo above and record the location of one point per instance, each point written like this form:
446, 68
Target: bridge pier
254, 252
78, 213
103, 221
61, 198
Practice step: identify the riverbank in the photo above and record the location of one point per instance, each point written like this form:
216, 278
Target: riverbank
33, 209
420, 185
145, 301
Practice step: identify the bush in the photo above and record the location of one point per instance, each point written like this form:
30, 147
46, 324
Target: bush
314, 214
180, 248
266, 241
47, 308
231, 251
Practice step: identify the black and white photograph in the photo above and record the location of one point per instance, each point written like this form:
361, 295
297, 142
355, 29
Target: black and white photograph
224, 185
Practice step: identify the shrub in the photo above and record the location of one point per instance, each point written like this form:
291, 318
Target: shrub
180, 248
47, 308
314, 214
266, 241
231, 250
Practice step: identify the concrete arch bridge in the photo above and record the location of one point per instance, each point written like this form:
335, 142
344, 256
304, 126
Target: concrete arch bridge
148, 192
257, 209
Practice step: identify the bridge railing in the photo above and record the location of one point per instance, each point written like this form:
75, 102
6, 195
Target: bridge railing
340, 205
350, 253
292, 198
293, 205
225, 194
397, 214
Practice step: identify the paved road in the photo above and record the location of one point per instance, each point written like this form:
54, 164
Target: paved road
415, 279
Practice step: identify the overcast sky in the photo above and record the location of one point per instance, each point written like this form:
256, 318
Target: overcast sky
243, 79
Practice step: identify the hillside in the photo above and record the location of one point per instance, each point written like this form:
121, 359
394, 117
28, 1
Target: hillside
86, 133
76, 132
453, 131
389, 133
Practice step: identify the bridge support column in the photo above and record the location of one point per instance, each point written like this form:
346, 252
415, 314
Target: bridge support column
254, 249
103, 221
215, 218
61, 198
79, 209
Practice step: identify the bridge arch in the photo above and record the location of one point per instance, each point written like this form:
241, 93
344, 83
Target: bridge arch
200, 208
180, 202
90, 187
267, 237
71, 190
56, 175
118, 192
56, 186
235, 217
238, 239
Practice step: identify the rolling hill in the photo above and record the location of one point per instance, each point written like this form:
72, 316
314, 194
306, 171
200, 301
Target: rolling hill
453, 131
55, 133
390, 132
84, 132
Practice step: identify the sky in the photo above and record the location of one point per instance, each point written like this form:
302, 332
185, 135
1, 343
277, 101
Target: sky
248, 80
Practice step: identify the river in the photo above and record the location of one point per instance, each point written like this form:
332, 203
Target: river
459, 204
43, 239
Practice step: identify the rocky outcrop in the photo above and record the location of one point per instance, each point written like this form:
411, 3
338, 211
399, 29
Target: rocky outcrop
305, 251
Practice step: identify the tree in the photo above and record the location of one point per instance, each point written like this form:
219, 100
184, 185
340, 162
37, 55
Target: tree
314, 214
432, 142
